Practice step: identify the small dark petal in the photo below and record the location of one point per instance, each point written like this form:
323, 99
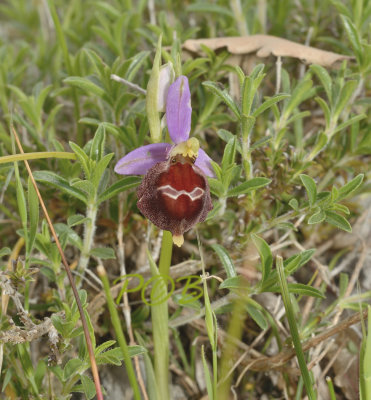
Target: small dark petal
174, 197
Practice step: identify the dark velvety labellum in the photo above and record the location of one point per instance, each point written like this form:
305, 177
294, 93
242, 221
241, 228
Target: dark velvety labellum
174, 196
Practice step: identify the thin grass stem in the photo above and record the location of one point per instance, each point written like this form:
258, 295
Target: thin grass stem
294, 330
89, 344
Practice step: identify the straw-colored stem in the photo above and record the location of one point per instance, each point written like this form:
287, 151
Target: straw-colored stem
89, 344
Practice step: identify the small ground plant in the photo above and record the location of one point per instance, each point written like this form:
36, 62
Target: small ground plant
185, 199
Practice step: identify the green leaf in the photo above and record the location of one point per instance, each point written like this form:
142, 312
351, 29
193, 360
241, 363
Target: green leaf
216, 187
341, 208
229, 153
306, 290
311, 188
337, 220
233, 282
261, 142
5, 251
350, 187
65, 234
71, 368
346, 92
247, 95
226, 136
293, 203
115, 355
292, 264
321, 142
257, 316
209, 384
82, 158
349, 121
301, 289
104, 346
223, 95
265, 255
120, 186
77, 219
86, 85
7, 378
252, 184
325, 109
33, 205
97, 145
136, 62
299, 94
324, 78
187, 300
99, 169
316, 218
225, 259
60, 183
88, 387
268, 103
85, 186
105, 253
353, 36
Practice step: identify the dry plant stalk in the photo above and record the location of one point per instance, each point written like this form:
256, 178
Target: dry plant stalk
279, 360
93, 363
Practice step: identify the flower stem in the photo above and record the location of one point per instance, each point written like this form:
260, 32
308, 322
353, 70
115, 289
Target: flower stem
119, 333
160, 320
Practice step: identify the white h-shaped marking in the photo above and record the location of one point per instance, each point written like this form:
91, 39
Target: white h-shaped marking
169, 191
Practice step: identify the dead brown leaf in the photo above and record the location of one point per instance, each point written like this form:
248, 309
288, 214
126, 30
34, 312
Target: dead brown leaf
264, 46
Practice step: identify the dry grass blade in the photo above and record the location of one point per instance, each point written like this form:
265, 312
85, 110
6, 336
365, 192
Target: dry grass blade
69, 274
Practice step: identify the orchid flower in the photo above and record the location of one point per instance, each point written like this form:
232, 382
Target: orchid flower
174, 193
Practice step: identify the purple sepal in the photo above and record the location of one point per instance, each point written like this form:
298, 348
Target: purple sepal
203, 162
179, 110
140, 160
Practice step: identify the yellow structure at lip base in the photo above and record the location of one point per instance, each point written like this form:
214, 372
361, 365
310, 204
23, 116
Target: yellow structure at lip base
178, 240
188, 148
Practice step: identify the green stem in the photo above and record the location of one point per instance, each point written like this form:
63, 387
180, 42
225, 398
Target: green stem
215, 373
294, 330
160, 321
119, 333
166, 252
235, 328
331, 388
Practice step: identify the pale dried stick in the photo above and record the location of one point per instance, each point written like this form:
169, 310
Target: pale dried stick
126, 306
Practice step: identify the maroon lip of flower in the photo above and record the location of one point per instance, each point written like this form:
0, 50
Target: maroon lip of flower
174, 193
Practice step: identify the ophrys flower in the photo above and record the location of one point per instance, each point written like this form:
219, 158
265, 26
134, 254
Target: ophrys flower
174, 193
